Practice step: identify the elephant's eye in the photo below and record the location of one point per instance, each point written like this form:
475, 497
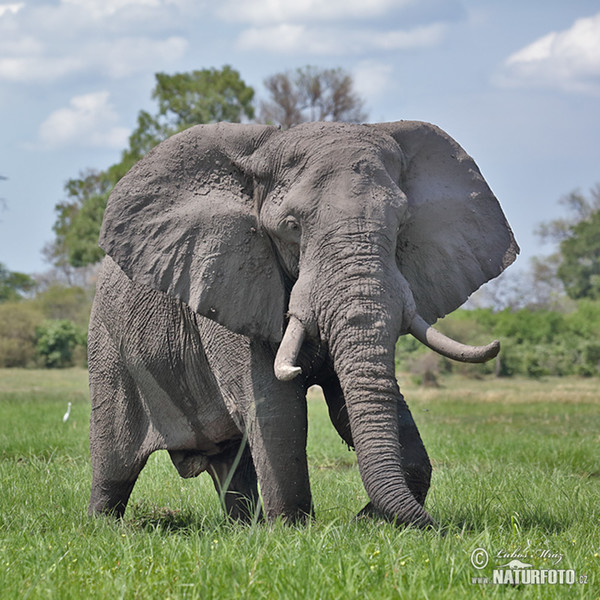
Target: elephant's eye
291, 224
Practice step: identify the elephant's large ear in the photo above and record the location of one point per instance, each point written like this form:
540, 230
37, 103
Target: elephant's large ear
457, 236
183, 221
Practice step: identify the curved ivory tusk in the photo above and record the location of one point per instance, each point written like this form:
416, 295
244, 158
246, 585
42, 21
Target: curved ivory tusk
285, 361
451, 348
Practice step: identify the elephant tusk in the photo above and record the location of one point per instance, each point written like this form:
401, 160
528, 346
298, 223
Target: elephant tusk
285, 361
450, 348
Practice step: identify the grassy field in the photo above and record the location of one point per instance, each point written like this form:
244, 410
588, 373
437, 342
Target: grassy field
516, 472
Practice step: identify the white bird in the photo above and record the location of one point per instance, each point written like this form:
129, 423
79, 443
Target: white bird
67, 414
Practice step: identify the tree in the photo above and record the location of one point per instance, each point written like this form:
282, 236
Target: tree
579, 269
14, 284
78, 221
206, 96
577, 262
56, 341
311, 94
184, 99
579, 208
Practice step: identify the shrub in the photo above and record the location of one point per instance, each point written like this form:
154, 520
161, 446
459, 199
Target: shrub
18, 323
57, 341
425, 369
60, 302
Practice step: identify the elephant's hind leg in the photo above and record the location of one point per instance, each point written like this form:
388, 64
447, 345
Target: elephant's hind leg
235, 480
117, 428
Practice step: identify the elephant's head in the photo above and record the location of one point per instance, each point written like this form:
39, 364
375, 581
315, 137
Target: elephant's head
352, 234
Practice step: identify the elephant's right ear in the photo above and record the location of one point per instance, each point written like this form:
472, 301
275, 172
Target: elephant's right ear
183, 221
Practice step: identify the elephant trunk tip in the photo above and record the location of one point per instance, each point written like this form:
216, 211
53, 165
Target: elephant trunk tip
285, 362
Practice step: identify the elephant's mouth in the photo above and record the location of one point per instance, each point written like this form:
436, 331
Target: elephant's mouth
286, 368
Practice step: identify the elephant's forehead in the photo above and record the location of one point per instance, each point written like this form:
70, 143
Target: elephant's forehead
342, 143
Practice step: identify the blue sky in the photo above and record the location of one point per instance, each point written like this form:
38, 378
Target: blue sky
517, 83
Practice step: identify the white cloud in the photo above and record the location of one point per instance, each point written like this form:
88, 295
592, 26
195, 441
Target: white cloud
335, 27
116, 59
11, 8
568, 60
126, 56
262, 12
419, 37
372, 79
107, 8
37, 69
96, 37
301, 38
288, 39
89, 121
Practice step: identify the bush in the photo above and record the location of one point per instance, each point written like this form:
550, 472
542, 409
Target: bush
57, 341
59, 302
534, 343
18, 323
407, 349
425, 369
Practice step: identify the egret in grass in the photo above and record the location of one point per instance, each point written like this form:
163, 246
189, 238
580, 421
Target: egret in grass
67, 414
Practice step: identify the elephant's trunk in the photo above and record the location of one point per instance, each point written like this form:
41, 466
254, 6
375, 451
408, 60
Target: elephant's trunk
363, 357
359, 314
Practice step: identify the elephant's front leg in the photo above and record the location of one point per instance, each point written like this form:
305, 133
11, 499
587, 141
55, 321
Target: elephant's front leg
276, 424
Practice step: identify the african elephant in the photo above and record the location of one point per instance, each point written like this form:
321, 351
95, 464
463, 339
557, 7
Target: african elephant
246, 263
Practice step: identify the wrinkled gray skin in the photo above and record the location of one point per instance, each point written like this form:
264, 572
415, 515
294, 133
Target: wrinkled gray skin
224, 232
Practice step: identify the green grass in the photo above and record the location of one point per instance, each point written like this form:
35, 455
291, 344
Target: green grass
516, 466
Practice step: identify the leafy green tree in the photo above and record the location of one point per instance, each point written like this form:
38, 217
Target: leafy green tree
311, 94
13, 285
572, 265
184, 99
78, 220
578, 207
576, 264
534, 342
579, 269
205, 96
57, 341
